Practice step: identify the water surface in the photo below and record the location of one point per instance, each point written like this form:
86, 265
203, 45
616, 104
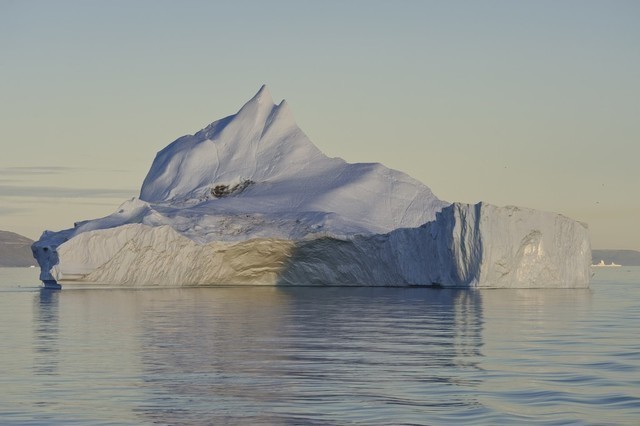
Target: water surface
253, 355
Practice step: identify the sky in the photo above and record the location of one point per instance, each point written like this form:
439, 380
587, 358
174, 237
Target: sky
528, 103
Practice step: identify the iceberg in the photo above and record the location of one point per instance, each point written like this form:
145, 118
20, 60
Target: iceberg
251, 200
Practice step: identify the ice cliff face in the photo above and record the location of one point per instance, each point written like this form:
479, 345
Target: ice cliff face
250, 200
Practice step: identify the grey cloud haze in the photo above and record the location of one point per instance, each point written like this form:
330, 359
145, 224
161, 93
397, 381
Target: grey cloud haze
35, 170
64, 192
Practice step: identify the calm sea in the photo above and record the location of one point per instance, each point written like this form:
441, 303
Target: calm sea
320, 356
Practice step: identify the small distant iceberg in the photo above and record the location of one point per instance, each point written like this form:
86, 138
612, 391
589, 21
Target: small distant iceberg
250, 200
601, 264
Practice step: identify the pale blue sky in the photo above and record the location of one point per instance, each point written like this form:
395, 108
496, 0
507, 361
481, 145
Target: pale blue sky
529, 103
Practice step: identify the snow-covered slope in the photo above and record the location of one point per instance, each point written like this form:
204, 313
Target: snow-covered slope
276, 170
250, 200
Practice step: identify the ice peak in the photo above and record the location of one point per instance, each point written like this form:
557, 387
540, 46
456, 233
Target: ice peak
263, 96
282, 113
260, 142
258, 108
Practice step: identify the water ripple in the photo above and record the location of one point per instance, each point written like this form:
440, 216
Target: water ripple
313, 356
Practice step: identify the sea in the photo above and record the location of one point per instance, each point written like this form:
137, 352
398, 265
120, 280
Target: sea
320, 356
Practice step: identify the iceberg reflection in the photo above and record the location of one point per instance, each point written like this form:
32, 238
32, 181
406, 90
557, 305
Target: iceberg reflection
287, 355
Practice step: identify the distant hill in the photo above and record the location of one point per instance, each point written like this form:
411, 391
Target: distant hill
621, 257
15, 250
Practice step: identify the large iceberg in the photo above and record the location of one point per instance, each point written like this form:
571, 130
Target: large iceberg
250, 200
